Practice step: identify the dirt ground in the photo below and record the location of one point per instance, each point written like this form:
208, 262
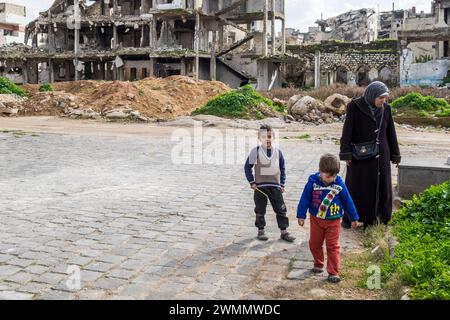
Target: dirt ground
434, 143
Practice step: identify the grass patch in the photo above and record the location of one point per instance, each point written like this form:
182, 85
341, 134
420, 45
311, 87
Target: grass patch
415, 104
19, 133
46, 87
364, 271
243, 103
422, 257
9, 87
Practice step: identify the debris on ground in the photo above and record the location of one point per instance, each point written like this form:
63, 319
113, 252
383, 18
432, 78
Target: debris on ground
9, 104
150, 98
307, 109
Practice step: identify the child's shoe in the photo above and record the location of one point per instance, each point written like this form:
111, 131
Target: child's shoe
287, 237
334, 279
262, 235
317, 270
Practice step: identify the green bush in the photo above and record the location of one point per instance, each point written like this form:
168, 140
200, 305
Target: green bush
46, 87
9, 87
422, 256
244, 103
422, 103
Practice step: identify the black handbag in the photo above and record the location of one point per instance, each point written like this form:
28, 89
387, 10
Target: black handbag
368, 150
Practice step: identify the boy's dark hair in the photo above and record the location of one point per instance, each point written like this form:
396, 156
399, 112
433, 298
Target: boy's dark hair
329, 164
264, 129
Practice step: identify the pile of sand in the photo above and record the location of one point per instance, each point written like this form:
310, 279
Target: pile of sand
156, 98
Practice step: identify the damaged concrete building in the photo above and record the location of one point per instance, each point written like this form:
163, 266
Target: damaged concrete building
425, 44
228, 40
412, 48
345, 62
352, 26
344, 49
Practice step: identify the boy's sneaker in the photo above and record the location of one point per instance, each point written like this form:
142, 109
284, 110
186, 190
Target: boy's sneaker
317, 270
287, 237
334, 279
262, 236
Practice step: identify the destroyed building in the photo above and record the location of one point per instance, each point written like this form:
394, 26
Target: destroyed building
413, 49
12, 23
345, 49
228, 40
293, 36
345, 62
352, 26
425, 44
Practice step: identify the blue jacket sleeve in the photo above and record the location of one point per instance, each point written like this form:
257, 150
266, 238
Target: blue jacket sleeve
282, 170
347, 202
305, 201
248, 168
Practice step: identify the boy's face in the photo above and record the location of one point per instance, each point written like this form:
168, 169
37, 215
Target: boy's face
266, 138
327, 178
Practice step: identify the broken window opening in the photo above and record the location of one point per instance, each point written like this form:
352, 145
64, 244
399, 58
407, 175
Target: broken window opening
342, 75
362, 76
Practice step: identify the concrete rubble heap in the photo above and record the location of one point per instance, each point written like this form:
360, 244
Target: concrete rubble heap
306, 109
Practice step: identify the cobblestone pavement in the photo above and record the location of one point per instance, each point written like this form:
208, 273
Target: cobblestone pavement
137, 226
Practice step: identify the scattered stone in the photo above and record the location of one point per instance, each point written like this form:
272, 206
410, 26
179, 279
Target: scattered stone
7, 110
337, 103
292, 101
298, 274
116, 115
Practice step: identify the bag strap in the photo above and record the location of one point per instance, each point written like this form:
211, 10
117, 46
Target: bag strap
381, 124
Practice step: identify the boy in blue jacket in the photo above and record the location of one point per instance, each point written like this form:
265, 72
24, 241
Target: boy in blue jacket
326, 198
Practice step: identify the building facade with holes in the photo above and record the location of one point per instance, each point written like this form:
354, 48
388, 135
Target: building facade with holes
359, 68
347, 63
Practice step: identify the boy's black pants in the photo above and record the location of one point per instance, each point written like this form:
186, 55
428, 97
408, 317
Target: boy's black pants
275, 196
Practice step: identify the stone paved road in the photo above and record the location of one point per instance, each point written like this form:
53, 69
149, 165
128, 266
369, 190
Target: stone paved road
138, 226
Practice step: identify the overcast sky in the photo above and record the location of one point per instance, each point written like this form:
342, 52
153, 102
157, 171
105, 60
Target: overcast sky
300, 14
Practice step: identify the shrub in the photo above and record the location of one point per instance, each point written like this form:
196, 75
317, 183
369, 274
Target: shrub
244, 103
9, 87
46, 87
422, 256
422, 103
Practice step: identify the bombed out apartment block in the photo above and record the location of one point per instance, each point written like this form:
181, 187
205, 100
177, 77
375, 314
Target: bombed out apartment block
227, 40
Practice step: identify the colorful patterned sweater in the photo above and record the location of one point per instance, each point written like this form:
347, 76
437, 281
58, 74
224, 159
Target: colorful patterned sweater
326, 201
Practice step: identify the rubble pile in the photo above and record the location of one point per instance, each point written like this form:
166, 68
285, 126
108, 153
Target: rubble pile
10, 104
150, 98
309, 110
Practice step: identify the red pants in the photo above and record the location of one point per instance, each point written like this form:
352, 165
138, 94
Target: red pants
329, 231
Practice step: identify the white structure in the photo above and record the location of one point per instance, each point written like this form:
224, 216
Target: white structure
12, 23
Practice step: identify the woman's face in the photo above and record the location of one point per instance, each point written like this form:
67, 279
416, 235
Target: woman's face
380, 101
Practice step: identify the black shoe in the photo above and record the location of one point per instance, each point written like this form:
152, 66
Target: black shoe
317, 270
262, 236
346, 224
334, 279
287, 237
